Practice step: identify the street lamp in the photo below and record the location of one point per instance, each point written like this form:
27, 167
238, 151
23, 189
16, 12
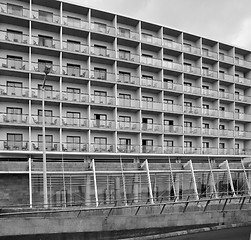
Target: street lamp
46, 71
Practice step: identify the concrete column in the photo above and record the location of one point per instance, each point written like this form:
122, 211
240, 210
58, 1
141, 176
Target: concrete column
136, 188
117, 191
88, 191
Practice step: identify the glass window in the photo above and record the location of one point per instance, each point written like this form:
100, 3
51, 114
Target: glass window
73, 118
101, 141
73, 70
14, 62
14, 114
124, 54
73, 22
168, 143
100, 50
221, 145
147, 145
15, 9
205, 144
48, 140
188, 124
205, 125
146, 58
168, 101
100, 73
147, 99
73, 94
14, 88
48, 116
48, 91
45, 16
188, 144
15, 36
124, 121
124, 76
168, 83
73, 46
45, 41
73, 143
222, 127
14, 140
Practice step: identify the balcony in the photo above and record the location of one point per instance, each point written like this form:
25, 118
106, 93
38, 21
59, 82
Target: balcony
102, 148
74, 147
19, 11
210, 132
209, 93
192, 90
75, 23
226, 114
173, 86
75, 71
102, 100
226, 95
128, 148
148, 127
226, 77
191, 49
102, 124
126, 126
172, 150
103, 75
75, 97
74, 122
128, 79
151, 39
130, 103
209, 112
192, 110
170, 129
191, 69
208, 151
226, 58
14, 64
151, 61
102, 28
37, 93
49, 120
151, 83
226, 133
172, 44
210, 54
50, 146
242, 80
172, 65
128, 34
151, 149
192, 150
226, 151
14, 118
173, 108
243, 62
39, 67
43, 42
48, 17
243, 151
14, 145
242, 116
103, 52
14, 37
14, 91
75, 47
192, 130
128, 56
156, 106
209, 73
242, 134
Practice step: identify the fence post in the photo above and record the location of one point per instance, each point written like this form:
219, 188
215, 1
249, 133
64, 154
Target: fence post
30, 182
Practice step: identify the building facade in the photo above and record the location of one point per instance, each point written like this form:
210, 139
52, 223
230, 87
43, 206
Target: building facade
118, 88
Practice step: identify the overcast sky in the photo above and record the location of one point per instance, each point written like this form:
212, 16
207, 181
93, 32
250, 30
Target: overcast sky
227, 21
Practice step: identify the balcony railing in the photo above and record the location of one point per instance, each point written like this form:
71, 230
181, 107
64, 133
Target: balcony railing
14, 91
192, 130
37, 93
172, 150
172, 65
128, 79
227, 77
152, 105
49, 43
8, 145
191, 69
242, 80
210, 54
226, 95
128, 148
75, 97
14, 118
109, 148
74, 147
49, 120
242, 134
151, 40
103, 52
102, 75
209, 112
225, 151
129, 34
50, 146
151, 83
151, 61
101, 28
243, 62
75, 47
211, 150
51, 18
209, 93
192, 150
39, 67
241, 116
14, 37
172, 44
226, 114
226, 58
209, 73
102, 100
14, 63
151, 127
170, 129
75, 71
192, 110
173, 86
243, 151
77, 23
191, 49
128, 57
174, 108
134, 126
226, 133
151, 149
131, 103
102, 124
193, 90
210, 132
20, 12
74, 122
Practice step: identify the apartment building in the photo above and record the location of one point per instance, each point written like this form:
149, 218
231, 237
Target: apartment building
117, 87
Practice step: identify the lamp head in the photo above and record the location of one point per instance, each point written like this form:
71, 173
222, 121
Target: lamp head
47, 70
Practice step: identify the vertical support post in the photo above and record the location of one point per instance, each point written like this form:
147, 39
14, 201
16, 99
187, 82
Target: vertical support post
230, 178
30, 182
123, 180
194, 180
149, 181
246, 177
95, 182
172, 178
212, 177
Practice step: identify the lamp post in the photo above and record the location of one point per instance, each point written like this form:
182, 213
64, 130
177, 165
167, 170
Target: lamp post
46, 71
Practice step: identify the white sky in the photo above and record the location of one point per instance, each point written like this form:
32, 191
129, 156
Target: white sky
227, 21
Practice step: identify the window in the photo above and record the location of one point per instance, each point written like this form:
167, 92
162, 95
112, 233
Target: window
205, 144
73, 94
221, 108
222, 74
187, 67
147, 145
147, 99
221, 55
48, 140
15, 9
73, 118
124, 54
14, 140
48, 116
147, 37
44, 63
168, 83
147, 80
168, 143
188, 144
45, 41
14, 88
14, 62
147, 123
73, 143
100, 73
45, 16
205, 70
168, 101
188, 124
73, 70
222, 127
168, 122
100, 96
205, 125
187, 86
73, 22
125, 144
48, 91
146, 58
14, 114
100, 142
124, 77
100, 120
100, 50
124, 122
125, 99
237, 110
237, 95
221, 145
15, 36
237, 128
101, 27
73, 46
188, 106
124, 32
205, 108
